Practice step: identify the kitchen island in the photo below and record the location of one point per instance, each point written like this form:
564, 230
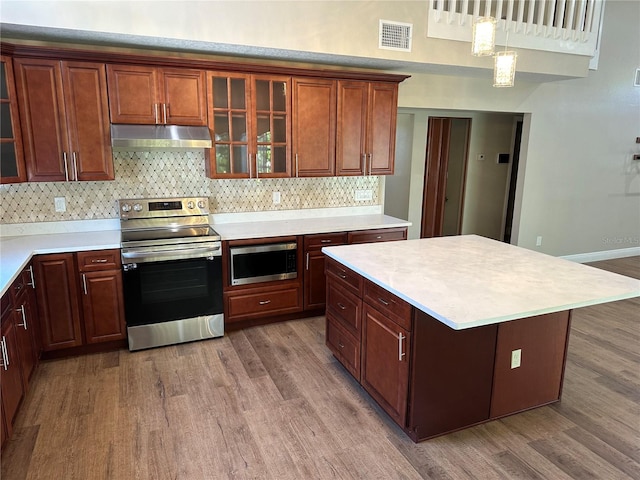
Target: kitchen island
449, 332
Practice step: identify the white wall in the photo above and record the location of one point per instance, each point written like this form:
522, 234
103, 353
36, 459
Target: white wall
580, 187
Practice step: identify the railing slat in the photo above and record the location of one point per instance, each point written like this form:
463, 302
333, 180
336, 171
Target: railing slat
540, 25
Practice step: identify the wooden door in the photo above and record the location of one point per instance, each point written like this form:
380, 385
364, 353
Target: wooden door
184, 97
12, 168
58, 307
351, 137
87, 114
103, 306
133, 94
43, 120
381, 131
10, 371
385, 362
435, 177
314, 127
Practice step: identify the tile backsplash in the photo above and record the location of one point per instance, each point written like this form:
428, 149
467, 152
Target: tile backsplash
174, 174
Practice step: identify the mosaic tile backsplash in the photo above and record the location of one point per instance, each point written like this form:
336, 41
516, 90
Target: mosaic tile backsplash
175, 174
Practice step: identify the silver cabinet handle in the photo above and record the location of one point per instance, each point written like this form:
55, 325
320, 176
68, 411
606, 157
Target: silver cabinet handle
383, 301
99, 260
164, 111
378, 237
401, 354
84, 284
155, 112
5, 354
307, 268
325, 241
297, 168
342, 275
364, 164
74, 157
33, 281
341, 306
264, 302
66, 167
370, 163
24, 317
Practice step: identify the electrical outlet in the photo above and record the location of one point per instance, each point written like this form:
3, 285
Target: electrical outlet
276, 198
60, 204
364, 195
539, 241
516, 357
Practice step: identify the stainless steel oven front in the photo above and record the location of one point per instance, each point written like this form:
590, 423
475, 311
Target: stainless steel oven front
172, 272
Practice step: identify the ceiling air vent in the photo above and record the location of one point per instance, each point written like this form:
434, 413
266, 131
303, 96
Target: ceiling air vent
395, 35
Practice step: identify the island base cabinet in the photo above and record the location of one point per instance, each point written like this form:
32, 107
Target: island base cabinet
385, 362
451, 377
530, 361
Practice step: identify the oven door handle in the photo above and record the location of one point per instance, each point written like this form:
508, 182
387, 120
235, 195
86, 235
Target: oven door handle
174, 254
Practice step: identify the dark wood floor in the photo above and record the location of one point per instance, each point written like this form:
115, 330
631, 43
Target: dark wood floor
271, 402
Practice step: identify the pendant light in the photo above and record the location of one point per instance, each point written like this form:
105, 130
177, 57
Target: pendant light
504, 67
484, 37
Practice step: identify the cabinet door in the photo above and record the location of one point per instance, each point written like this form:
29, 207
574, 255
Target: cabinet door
58, 307
271, 126
25, 337
103, 306
87, 114
184, 97
43, 121
385, 363
314, 127
381, 139
229, 113
133, 94
315, 282
12, 168
10, 372
351, 136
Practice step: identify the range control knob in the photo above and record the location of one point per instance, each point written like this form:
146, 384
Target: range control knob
191, 205
126, 207
200, 203
137, 207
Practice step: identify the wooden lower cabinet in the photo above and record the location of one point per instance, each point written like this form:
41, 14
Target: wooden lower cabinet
386, 349
315, 282
378, 235
11, 382
254, 303
80, 298
431, 379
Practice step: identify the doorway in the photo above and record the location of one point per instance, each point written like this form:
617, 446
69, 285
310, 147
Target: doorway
445, 170
470, 175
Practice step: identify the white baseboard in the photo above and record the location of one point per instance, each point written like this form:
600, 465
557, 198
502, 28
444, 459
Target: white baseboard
604, 255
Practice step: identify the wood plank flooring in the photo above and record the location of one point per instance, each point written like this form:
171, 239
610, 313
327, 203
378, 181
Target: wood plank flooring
271, 402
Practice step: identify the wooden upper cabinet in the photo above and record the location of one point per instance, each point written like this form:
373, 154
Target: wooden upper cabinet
365, 140
64, 118
314, 127
145, 95
12, 168
250, 121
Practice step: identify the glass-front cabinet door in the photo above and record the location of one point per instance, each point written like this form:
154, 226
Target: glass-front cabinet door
249, 118
12, 168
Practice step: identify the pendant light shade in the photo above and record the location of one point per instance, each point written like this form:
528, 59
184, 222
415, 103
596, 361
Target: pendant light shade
504, 69
484, 36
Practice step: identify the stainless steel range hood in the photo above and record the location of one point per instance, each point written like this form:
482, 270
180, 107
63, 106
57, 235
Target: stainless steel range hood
159, 137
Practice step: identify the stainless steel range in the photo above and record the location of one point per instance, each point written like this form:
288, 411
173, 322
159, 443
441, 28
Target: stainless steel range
172, 271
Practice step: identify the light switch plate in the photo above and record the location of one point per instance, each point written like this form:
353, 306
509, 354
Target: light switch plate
364, 195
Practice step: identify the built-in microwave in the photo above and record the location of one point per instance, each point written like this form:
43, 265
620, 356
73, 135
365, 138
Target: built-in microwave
263, 263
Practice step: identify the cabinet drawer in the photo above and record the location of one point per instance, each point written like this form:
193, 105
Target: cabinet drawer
343, 346
345, 307
381, 235
252, 304
348, 278
98, 260
395, 308
324, 240
18, 285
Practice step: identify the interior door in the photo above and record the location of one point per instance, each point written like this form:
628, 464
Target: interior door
435, 176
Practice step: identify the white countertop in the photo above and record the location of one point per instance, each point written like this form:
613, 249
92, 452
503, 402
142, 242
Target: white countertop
305, 226
468, 281
16, 251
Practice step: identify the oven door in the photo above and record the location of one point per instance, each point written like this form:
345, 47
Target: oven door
173, 301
